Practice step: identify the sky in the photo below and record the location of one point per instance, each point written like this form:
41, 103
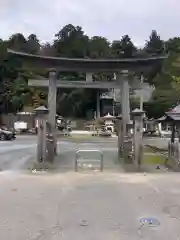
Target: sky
109, 18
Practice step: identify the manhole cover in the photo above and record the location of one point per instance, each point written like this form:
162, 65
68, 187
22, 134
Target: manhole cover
150, 222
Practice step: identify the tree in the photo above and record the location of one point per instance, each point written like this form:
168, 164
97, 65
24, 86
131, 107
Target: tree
33, 45
154, 46
123, 48
18, 42
128, 47
173, 45
47, 50
98, 47
71, 42
162, 100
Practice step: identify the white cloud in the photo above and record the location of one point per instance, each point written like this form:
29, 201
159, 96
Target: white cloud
111, 19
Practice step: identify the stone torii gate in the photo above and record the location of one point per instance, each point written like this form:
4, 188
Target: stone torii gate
55, 64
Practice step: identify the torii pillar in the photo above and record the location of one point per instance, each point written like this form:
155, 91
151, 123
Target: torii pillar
52, 141
125, 100
89, 79
122, 78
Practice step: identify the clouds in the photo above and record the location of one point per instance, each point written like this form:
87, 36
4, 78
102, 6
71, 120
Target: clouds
109, 18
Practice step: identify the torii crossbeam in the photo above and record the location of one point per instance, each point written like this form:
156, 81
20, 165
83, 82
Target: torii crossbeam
83, 84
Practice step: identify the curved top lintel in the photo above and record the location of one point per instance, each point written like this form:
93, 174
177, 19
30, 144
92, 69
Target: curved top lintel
123, 60
86, 64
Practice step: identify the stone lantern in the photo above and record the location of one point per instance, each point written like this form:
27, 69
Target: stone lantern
41, 113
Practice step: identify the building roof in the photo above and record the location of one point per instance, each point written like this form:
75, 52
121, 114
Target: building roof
163, 118
173, 114
174, 110
108, 117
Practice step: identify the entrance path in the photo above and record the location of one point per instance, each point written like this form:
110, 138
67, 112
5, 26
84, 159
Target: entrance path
67, 150
105, 206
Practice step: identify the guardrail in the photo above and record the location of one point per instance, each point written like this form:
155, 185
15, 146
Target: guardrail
101, 160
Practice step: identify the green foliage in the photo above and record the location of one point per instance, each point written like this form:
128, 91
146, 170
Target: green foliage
162, 100
155, 45
123, 48
72, 42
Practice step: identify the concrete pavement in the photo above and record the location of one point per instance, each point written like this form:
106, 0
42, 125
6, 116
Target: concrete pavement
89, 206
69, 205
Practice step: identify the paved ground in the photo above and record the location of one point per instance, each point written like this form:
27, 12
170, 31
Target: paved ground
89, 206
68, 205
19, 154
15, 154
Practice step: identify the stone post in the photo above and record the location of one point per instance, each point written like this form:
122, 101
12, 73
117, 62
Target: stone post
41, 113
138, 116
119, 133
123, 78
52, 114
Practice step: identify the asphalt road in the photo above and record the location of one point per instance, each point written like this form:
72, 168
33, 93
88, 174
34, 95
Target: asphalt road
16, 155
69, 205
157, 142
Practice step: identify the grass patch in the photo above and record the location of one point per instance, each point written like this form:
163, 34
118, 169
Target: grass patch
154, 159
